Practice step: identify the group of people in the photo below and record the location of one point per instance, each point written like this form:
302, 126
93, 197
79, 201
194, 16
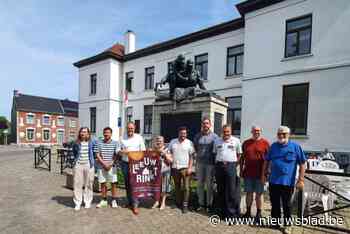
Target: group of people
218, 162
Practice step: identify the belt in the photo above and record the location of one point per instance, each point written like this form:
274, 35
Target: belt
224, 162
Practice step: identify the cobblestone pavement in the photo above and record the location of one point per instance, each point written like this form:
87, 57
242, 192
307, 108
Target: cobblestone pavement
36, 201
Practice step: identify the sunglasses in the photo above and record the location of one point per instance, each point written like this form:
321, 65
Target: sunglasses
282, 134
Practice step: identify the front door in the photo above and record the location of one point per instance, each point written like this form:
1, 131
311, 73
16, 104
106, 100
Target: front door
171, 122
60, 137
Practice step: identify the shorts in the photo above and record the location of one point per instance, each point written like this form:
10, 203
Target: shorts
107, 176
252, 185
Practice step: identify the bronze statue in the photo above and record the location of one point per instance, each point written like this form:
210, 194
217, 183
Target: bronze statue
183, 76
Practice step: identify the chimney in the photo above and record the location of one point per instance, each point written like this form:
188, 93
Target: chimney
15, 93
130, 40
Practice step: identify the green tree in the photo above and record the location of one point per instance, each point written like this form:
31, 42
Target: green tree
4, 129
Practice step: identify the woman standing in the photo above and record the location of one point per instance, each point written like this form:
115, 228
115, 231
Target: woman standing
166, 160
83, 171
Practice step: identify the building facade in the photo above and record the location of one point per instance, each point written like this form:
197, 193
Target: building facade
43, 121
282, 62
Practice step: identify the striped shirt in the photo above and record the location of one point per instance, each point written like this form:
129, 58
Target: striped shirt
107, 150
84, 152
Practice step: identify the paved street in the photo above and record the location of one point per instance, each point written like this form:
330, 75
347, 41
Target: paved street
36, 201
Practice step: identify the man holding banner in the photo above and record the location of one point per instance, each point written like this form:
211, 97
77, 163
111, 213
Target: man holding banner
132, 142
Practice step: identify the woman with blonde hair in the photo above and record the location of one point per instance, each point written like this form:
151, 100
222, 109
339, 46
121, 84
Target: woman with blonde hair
83, 170
166, 160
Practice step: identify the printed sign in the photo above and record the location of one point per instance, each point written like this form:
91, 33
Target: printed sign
145, 174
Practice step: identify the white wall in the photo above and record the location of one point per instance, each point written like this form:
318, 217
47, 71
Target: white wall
216, 47
108, 95
265, 36
328, 124
327, 71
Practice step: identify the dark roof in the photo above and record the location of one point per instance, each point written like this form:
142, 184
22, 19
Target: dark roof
253, 5
163, 46
189, 38
70, 108
116, 52
30, 103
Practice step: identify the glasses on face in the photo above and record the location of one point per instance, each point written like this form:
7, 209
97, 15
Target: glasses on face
282, 134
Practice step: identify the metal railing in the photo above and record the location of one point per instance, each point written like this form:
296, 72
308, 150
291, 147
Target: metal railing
302, 202
42, 158
66, 159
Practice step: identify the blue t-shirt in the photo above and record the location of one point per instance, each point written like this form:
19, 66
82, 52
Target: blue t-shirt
284, 161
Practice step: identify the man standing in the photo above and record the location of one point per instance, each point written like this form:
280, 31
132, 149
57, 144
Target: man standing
251, 165
284, 157
106, 152
182, 151
205, 159
132, 142
228, 150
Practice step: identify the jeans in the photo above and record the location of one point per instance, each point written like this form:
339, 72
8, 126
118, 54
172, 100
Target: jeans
205, 179
278, 193
228, 186
125, 170
182, 183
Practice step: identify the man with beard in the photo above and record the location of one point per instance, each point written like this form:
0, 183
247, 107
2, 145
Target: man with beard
284, 156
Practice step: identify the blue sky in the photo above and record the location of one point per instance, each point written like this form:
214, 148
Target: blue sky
41, 39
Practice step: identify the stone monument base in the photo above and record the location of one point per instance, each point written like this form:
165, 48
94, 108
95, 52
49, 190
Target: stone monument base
169, 116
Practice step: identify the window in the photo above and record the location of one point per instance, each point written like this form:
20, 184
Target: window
218, 122
72, 136
46, 120
234, 60
201, 64
72, 123
46, 134
170, 67
149, 78
30, 134
60, 121
129, 114
137, 126
93, 84
129, 76
147, 118
30, 118
298, 36
295, 108
93, 119
234, 114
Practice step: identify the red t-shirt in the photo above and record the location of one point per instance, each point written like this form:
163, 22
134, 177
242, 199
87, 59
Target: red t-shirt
254, 152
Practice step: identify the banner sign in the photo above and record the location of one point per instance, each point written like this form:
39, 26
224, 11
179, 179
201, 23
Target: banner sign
145, 174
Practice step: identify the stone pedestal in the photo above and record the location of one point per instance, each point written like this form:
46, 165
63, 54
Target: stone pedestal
167, 116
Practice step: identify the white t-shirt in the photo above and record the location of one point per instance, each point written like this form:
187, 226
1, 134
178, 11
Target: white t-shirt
134, 143
226, 151
181, 152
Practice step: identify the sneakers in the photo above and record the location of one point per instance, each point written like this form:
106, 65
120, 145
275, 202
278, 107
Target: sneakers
114, 204
87, 206
287, 230
102, 204
77, 207
184, 209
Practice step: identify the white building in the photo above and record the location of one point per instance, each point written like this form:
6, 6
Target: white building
283, 62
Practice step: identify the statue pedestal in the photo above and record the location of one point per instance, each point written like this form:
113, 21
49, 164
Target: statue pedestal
188, 113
